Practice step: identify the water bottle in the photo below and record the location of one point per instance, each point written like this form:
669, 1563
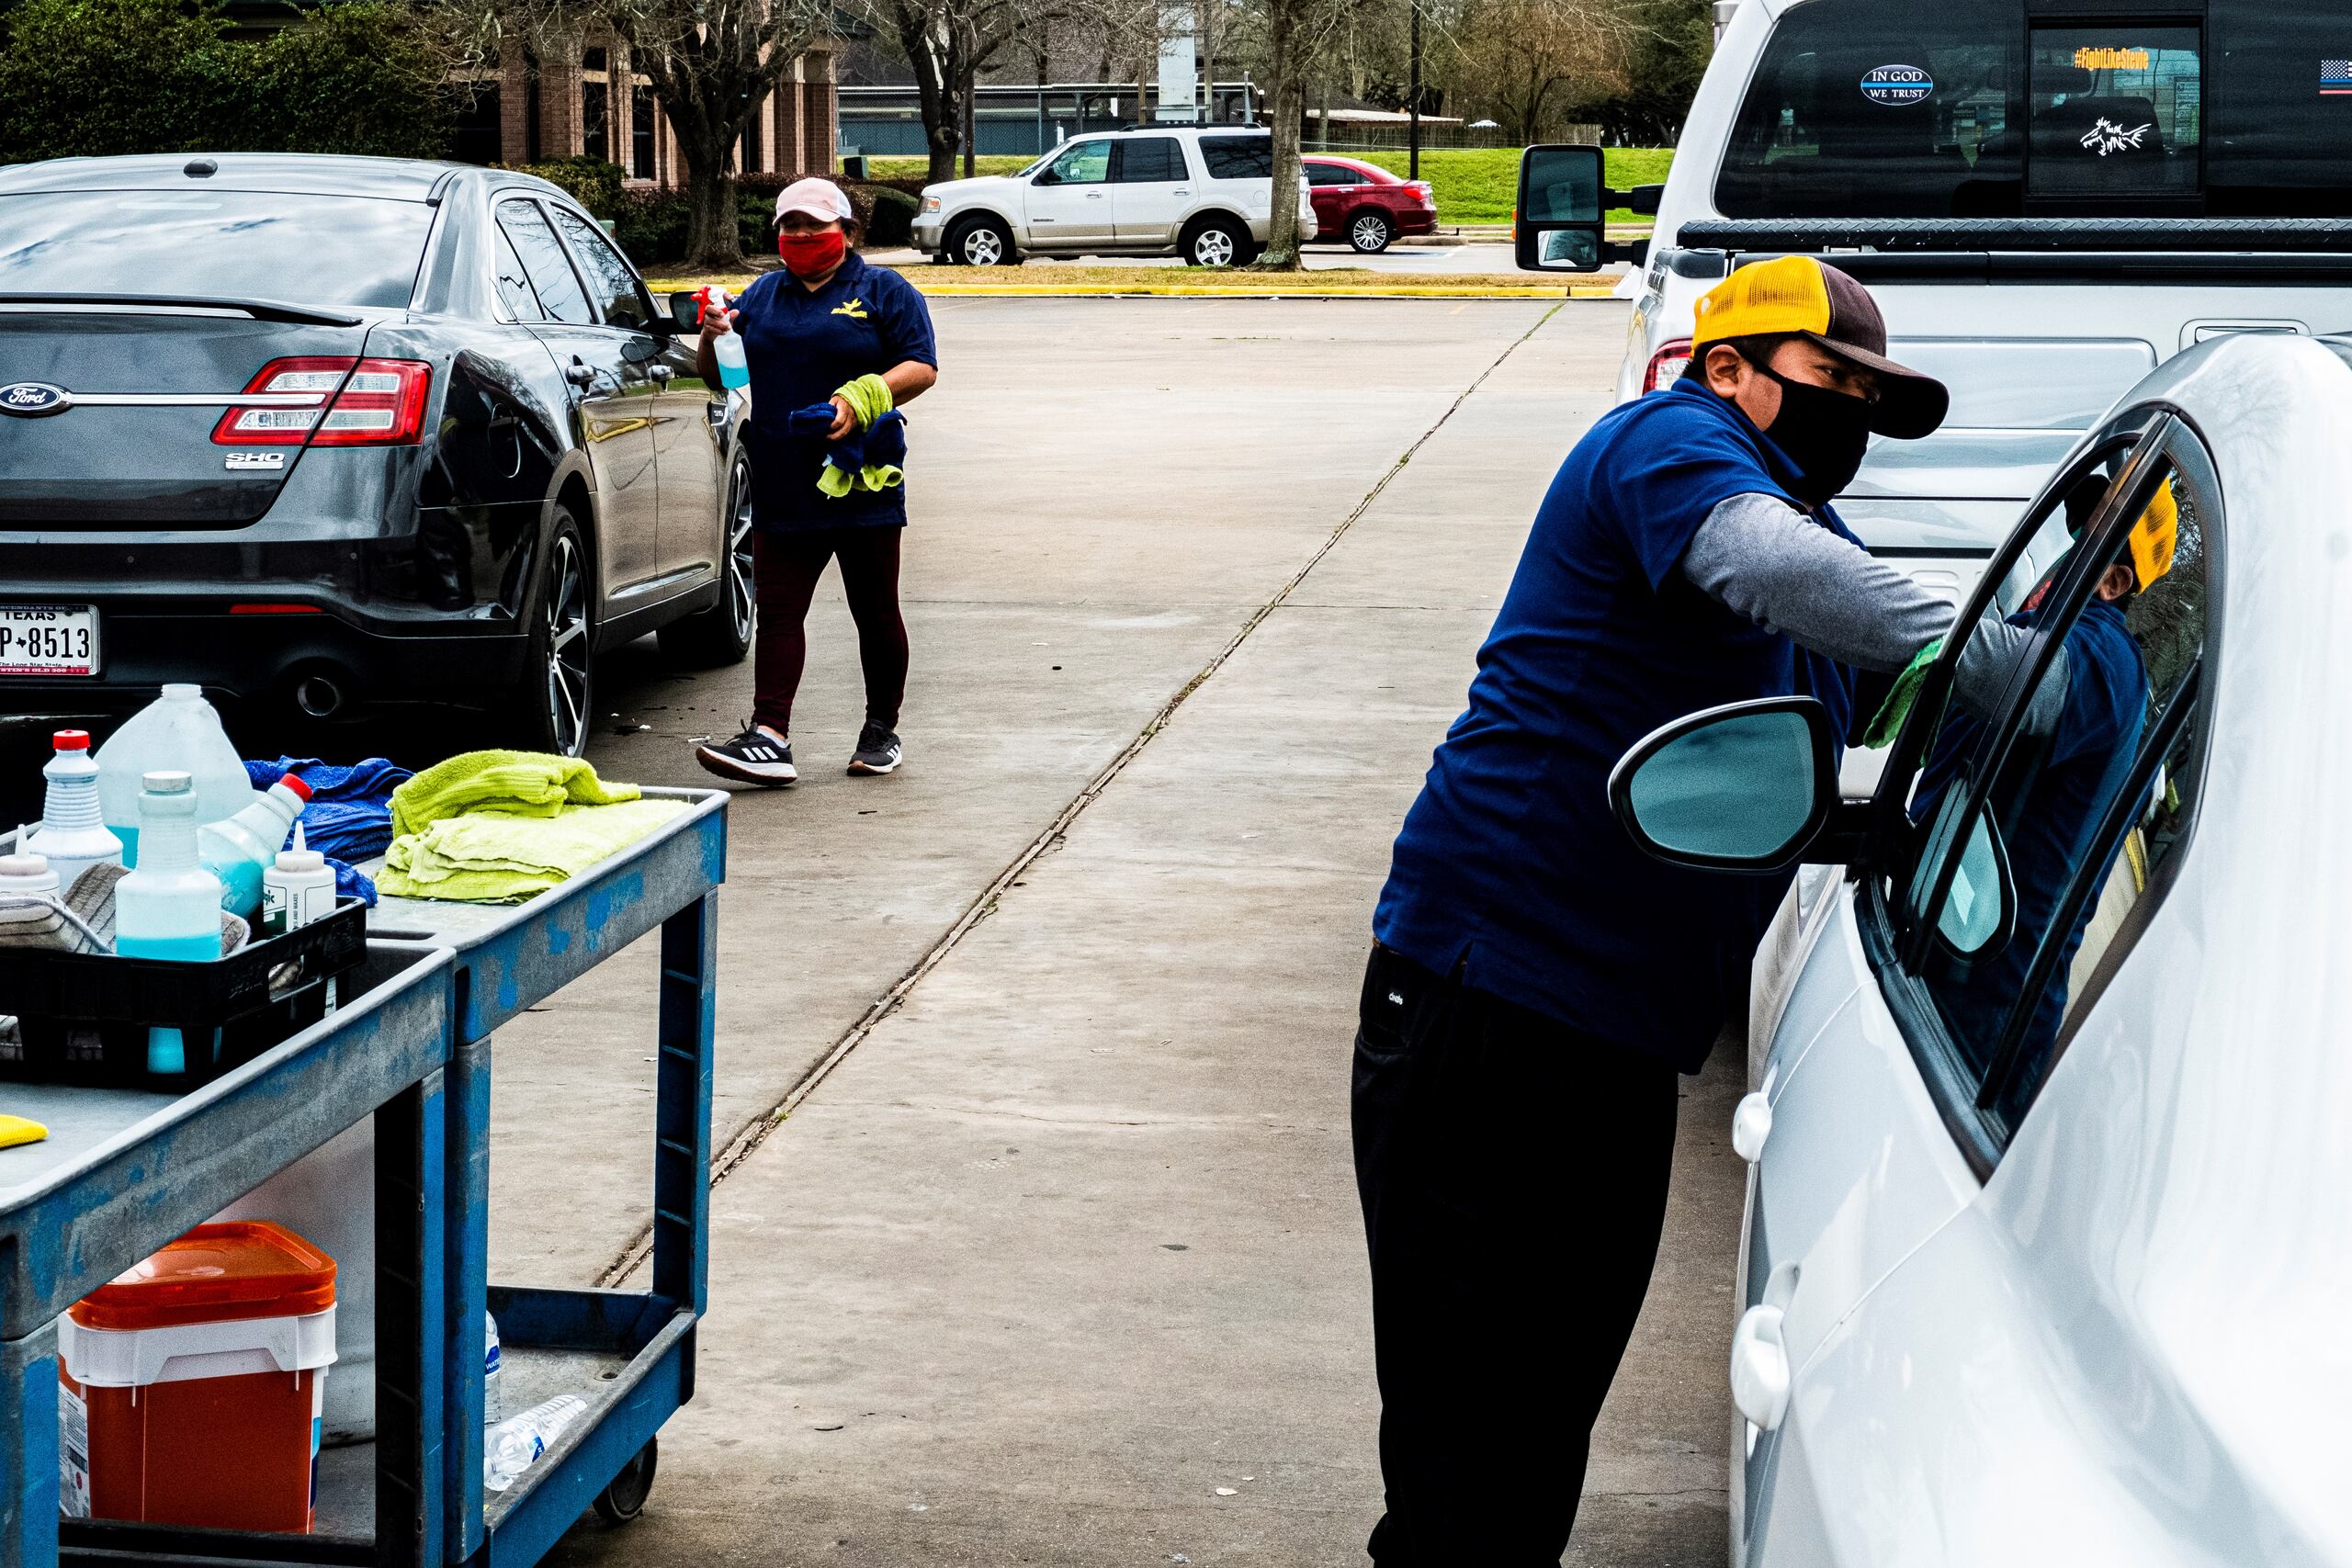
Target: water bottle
728, 347
513, 1445
493, 1406
241, 850
71, 834
168, 906
178, 731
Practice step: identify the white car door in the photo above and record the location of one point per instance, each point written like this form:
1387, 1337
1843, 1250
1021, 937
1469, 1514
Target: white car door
1068, 201
1861, 1147
1151, 191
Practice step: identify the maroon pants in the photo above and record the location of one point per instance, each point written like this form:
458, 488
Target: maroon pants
785, 567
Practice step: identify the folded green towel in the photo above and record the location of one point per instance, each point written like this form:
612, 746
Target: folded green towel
517, 783
868, 398
1888, 722
491, 857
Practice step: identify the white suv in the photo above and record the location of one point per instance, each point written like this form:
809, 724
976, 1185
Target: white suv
1205, 195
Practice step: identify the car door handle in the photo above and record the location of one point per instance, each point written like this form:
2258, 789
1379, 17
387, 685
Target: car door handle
580, 375
1760, 1366
1751, 1123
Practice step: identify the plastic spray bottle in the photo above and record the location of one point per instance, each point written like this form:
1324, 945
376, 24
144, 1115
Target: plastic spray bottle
168, 906
240, 850
728, 347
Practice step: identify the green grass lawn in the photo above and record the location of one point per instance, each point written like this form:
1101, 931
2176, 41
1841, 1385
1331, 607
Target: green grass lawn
1473, 185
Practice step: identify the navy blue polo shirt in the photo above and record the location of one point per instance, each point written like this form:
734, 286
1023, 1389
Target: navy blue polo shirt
800, 346
1511, 868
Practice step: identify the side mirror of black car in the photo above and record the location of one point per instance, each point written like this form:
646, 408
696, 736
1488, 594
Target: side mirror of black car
685, 310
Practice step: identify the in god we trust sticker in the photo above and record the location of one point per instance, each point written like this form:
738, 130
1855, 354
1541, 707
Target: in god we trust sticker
1896, 86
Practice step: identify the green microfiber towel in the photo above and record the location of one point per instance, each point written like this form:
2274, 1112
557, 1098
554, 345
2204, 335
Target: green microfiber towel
517, 783
1888, 722
489, 857
868, 398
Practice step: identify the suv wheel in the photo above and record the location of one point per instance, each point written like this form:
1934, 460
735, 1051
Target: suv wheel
1369, 232
550, 707
722, 634
980, 242
1214, 242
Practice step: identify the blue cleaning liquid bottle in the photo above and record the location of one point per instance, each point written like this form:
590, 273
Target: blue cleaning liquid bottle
169, 906
734, 370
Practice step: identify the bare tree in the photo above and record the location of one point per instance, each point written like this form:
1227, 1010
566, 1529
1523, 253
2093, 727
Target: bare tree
1299, 37
1521, 62
710, 64
948, 43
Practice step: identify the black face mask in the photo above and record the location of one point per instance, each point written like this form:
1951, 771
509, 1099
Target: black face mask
1823, 434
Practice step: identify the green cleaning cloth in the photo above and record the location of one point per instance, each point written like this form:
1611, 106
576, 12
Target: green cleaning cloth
1888, 722
517, 783
489, 857
868, 398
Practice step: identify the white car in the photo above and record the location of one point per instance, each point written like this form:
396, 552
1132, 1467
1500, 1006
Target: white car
2047, 1245
1203, 194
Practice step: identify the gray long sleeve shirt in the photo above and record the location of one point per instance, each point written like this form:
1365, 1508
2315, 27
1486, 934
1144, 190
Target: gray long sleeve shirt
1764, 560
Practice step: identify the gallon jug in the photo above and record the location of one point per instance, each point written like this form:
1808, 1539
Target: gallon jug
177, 732
241, 850
72, 833
169, 906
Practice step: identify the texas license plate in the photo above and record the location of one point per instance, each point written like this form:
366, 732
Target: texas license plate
48, 639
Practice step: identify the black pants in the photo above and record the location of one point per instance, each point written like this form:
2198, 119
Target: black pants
1513, 1173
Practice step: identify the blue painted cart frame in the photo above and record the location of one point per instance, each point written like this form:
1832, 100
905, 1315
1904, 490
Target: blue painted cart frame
423, 1049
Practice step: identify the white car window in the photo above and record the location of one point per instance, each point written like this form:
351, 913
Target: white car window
1080, 163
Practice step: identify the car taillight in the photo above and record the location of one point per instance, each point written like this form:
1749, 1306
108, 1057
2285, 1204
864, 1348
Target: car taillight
331, 402
1667, 365
1422, 189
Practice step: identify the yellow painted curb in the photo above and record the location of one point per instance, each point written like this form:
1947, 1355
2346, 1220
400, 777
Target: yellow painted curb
1269, 291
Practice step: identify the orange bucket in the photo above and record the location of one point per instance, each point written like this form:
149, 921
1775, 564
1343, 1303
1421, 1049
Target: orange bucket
192, 1386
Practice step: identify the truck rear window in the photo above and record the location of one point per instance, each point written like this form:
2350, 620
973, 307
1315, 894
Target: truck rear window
1972, 108
310, 249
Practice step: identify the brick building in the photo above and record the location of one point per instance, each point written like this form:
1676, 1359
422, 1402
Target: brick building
592, 105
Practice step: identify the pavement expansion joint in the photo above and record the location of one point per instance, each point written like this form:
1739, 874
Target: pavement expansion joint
740, 1147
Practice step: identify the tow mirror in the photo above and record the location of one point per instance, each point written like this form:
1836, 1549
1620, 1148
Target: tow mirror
1748, 787
1644, 200
1561, 221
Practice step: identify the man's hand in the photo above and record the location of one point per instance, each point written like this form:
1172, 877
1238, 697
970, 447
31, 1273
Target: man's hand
845, 420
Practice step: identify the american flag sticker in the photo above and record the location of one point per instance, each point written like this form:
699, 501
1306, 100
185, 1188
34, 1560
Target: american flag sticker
2335, 78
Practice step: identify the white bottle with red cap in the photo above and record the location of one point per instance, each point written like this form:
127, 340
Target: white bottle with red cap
72, 834
239, 849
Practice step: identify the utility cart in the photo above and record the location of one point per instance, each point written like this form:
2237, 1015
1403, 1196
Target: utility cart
121, 1177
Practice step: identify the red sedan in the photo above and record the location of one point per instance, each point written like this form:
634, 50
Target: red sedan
1365, 204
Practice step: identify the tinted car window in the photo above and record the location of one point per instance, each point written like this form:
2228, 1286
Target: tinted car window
324, 250
543, 259
1083, 163
619, 297
515, 284
2091, 800
1857, 110
1156, 159
1331, 174
1239, 157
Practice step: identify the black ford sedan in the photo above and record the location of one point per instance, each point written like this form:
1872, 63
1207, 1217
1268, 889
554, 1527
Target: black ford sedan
334, 432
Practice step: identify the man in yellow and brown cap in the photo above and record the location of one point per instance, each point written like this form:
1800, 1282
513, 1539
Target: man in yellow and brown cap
1538, 982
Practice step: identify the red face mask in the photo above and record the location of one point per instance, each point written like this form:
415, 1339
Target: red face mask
811, 255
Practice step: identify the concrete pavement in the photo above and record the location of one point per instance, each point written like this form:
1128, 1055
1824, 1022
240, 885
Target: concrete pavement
1061, 1262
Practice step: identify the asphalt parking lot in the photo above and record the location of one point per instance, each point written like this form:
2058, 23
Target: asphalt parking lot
1060, 1261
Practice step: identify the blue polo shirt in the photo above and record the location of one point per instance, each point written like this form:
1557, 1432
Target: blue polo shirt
1511, 868
800, 346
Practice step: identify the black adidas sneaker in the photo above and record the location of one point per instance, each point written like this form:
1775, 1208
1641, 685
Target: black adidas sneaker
754, 757
878, 751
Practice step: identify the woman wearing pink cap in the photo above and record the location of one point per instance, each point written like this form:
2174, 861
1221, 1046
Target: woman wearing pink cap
827, 330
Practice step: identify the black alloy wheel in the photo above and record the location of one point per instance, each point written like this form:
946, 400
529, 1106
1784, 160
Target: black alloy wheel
550, 706
722, 634
1369, 232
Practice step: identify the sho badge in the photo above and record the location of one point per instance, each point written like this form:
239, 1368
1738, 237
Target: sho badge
30, 400
255, 460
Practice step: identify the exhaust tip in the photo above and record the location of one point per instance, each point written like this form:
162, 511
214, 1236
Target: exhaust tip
319, 696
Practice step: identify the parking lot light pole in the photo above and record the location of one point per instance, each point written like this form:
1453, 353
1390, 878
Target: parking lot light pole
1412, 101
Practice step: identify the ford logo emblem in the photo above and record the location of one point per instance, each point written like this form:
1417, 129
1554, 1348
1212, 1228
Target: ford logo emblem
30, 400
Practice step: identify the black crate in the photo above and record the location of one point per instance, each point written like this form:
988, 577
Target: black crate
83, 1018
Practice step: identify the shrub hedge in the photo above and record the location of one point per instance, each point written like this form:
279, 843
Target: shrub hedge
652, 224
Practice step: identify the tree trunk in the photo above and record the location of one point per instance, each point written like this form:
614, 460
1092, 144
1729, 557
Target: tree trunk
967, 89
714, 242
1288, 106
939, 76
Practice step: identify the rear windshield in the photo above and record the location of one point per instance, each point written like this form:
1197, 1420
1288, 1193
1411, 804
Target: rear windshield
314, 250
1972, 108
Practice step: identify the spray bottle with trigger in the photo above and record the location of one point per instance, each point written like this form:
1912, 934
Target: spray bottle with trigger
728, 347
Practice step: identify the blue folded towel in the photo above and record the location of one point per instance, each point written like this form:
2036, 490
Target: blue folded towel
349, 816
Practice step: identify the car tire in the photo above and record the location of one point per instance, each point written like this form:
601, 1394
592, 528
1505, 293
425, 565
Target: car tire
1369, 231
553, 701
980, 242
722, 634
1214, 242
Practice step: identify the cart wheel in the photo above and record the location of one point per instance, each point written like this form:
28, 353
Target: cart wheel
625, 1498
